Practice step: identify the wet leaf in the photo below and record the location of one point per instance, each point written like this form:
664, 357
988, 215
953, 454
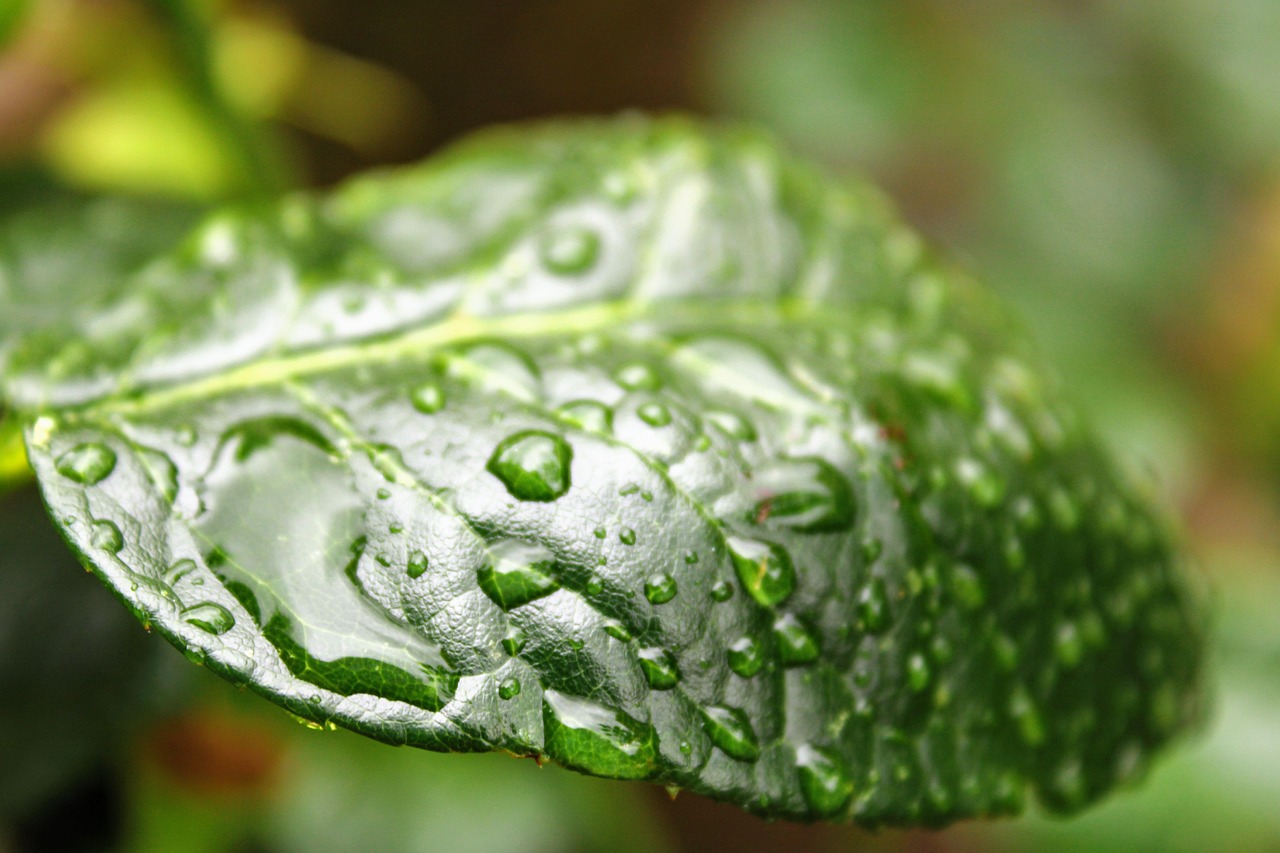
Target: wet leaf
635, 445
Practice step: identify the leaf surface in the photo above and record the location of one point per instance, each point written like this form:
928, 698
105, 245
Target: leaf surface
635, 445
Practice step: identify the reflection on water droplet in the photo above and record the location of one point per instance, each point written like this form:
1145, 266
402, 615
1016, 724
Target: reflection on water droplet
570, 251
765, 569
745, 657
210, 617
659, 667
654, 414
107, 537
660, 589
731, 731
824, 781
88, 464
733, 425
873, 606
589, 415
428, 398
805, 494
638, 377
418, 564
534, 466
796, 644
517, 573
509, 688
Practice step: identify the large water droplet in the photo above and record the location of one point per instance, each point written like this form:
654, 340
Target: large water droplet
660, 589
659, 667
824, 780
765, 569
731, 731
804, 494
517, 573
746, 658
210, 617
584, 735
107, 537
589, 415
570, 251
534, 466
88, 464
428, 398
796, 644
873, 606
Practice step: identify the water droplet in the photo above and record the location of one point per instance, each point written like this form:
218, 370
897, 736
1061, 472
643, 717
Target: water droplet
871, 550
1068, 645
721, 590
107, 537
730, 730
186, 436
383, 494
654, 414
509, 688
534, 466
796, 644
659, 668
745, 657
570, 251
418, 565
1006, 652
428, 398
582, 734
617, 630
805, 494
966, 587
918, 674
88, 464
660, 589
1065, 511
986, 487
824, 781
514, 642
764, 568
873, 606
638, 377
589, 415
733, 425
691, 557
594, 585
517, 573
627, 536
1026, 716
210, 617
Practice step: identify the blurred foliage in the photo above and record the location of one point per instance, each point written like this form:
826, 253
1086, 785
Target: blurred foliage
1113, 167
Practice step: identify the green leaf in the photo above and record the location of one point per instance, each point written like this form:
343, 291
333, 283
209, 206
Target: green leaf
635, 445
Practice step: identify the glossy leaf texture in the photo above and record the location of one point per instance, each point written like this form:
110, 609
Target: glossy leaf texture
636, 445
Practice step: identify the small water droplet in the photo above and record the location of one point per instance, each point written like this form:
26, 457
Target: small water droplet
107, 537
660, 589
918, 674
517, 573
600, 532
1006, 652
627, 536
617, 630
731, 731
1068, 645
985, 486
745, 657
1026, 716
509, 688
691, 557
638, 377
873, 606
418, 565
514, 642
570, 251
654, 414
383, 494
796, 644
210, 617
186, 436
428, 398
659, 667
1065, 511
589, 415
88, 464
534, 466
871, 550
594, 585
824, 780
966, 587
809, 495
733, 425
721, 590
765, 569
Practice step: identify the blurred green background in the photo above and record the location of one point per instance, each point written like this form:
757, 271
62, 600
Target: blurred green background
1112, 167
